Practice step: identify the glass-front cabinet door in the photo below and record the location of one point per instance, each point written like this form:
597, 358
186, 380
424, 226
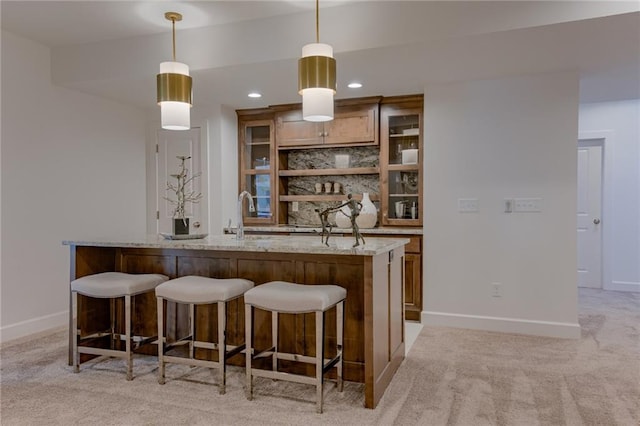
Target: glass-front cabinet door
257, 170
401, 165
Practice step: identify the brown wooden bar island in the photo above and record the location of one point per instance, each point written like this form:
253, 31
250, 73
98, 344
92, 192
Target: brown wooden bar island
372, 274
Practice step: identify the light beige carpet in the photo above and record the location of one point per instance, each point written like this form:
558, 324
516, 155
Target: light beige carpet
450, 377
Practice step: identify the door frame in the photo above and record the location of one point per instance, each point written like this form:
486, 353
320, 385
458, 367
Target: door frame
153, 203
605, 139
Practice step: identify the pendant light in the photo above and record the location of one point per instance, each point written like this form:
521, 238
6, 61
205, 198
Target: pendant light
174, 88
317, 78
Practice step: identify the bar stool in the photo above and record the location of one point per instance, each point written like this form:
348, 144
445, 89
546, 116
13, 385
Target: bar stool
111, 285
284, 297
195, 290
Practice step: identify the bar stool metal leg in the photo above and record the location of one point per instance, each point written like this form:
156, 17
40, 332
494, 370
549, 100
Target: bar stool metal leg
340, 341
112, 325
222, 345
74, 328
160, 340
248, 339
192, 328
319, 359
127, 333
274, 340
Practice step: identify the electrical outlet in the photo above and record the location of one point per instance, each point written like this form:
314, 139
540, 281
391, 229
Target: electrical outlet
496, 290
294, 206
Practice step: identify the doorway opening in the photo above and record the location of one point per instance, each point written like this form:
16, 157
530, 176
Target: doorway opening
589, 213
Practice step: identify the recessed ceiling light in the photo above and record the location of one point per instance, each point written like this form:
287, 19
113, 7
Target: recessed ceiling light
354, 85
254, 95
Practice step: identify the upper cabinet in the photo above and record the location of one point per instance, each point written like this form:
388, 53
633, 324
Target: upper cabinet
382, 136
355, 123
401, 151
257, 166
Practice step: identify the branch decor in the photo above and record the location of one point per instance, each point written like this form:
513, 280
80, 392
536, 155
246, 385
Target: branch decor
181, 190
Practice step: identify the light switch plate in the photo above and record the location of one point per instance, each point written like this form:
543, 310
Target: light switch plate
508, 205
467, 205
527, 205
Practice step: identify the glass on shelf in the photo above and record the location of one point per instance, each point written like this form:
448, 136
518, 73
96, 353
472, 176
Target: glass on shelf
404, 134
259, 186
406, 125
404, 208
403, 197
257, 147
404, 183
261, 163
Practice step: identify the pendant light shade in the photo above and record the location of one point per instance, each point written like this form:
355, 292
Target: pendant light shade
317, 79
174, 88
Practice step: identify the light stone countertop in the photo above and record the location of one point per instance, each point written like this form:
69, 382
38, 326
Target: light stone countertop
258, 243
308, 229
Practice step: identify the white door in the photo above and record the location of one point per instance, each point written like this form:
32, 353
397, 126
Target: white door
171, 145
589, 214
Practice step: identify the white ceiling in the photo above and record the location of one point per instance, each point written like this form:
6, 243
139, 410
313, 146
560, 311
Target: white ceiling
112, 48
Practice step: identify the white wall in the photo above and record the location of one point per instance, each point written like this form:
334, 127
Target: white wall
222, 158
72, 167
619, 124
490, 140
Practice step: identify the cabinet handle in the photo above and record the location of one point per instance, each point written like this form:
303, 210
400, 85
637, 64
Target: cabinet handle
320, 134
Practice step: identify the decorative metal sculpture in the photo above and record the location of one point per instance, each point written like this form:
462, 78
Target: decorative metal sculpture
355, 206
326, 226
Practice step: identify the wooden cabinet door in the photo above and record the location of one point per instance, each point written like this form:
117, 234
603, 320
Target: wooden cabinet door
401, 174
352, 125
257, 171
355, 126
412, 275
412, 286
292, 130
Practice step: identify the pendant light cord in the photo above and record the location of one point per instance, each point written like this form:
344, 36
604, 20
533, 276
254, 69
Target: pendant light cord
173, 24
317, 22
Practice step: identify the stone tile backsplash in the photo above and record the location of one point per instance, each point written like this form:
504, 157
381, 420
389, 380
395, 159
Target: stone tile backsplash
325, 158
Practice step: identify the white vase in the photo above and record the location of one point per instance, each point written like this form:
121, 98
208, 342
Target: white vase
367, 218
343, 217
368, 214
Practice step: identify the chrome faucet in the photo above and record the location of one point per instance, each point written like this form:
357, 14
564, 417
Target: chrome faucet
252, 208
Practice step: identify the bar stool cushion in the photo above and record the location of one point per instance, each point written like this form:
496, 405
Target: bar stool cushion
116, 284
283, 296
202, 290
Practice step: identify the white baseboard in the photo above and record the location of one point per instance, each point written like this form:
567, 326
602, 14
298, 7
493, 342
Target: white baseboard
503, 325
33, 326
623, 286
